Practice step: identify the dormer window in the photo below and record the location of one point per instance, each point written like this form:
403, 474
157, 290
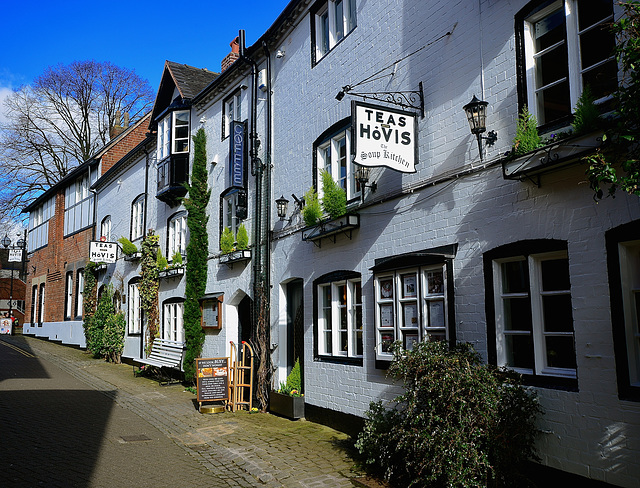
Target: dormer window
173, 156
173, 132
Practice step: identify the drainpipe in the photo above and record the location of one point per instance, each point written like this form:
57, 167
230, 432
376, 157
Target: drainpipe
261, 260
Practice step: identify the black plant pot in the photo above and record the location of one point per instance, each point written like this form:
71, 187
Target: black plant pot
286, 405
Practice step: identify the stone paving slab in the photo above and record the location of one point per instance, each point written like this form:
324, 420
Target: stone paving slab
236, 449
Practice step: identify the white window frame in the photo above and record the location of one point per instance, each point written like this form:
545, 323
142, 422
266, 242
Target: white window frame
79, 292
334, 20
164, 138
180, 138
68, 295
232, 112
538, 334
78, 204
137, 218
629, 257
575, 70
105, 228
173, 321
134, 310
328, 158
331, 329
405, 297
39, 224
177, 235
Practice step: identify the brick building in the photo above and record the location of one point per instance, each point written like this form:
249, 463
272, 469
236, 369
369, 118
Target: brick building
61, 226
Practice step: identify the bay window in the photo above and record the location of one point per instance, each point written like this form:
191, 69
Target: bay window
411, 306
78, 204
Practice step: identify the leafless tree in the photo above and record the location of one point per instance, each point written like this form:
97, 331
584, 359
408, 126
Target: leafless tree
60, 121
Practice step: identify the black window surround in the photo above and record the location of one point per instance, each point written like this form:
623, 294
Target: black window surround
613, 239
521, 248
339, 275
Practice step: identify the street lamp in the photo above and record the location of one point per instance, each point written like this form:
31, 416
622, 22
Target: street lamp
476, 111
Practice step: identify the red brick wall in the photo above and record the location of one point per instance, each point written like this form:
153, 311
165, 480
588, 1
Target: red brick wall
125, 145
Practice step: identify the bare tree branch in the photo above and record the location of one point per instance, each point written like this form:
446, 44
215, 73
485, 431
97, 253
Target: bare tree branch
60, 121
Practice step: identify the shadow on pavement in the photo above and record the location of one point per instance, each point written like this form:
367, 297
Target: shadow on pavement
19, 361
51, 437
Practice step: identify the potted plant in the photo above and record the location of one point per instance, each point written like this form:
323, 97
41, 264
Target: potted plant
288, 401
312, 211
129, 249
527, 138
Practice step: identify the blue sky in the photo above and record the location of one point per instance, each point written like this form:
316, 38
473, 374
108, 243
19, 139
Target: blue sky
132, 34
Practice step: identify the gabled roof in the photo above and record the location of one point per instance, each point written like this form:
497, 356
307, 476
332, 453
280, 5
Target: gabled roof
188, 80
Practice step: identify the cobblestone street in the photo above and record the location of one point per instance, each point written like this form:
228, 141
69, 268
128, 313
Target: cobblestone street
71, 420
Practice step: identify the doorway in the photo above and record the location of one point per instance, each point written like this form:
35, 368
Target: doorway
295, 326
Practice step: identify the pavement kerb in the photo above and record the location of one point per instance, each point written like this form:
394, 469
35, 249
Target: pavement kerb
264, 449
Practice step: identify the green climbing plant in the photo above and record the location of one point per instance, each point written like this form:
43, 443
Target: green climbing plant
149, 285
197, 253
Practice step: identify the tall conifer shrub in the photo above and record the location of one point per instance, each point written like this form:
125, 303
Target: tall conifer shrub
197, 253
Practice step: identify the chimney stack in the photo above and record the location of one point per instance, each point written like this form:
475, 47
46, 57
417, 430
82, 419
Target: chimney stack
230, 58
118, 128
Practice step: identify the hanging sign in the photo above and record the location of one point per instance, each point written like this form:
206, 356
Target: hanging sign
103, 252
15, 255
237, 151
213, 379
384, 137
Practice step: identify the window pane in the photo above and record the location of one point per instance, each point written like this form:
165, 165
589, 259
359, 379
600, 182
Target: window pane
410, 314
519, 351
596, 11
555, 275
514, 277
560, 352
552, 66
324, 32
342, 162
602, 80
550, 30
339, 9
553, 103
386, 315
557, 313
386, 288
517, 313
435, 282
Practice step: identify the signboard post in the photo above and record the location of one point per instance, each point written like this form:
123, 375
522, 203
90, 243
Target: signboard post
213, 379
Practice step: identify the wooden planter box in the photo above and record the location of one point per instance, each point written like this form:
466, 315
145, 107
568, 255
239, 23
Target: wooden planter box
133, 257
235, 257
286, 405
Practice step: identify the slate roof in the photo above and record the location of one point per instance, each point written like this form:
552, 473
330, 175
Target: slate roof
189, 80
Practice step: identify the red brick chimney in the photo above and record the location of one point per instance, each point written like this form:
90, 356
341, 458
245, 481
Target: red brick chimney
230, 58
118, 128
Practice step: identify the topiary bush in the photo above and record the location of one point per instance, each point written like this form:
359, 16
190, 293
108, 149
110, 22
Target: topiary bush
334, 198
293, 385
242, 237
226, 241
587, 116
312, 211
527, 138
459, 423
161, 261
128, 247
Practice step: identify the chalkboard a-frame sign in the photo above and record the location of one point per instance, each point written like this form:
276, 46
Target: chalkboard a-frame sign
213, 379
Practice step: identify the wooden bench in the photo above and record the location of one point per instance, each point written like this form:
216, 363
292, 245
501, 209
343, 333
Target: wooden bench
164, 354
